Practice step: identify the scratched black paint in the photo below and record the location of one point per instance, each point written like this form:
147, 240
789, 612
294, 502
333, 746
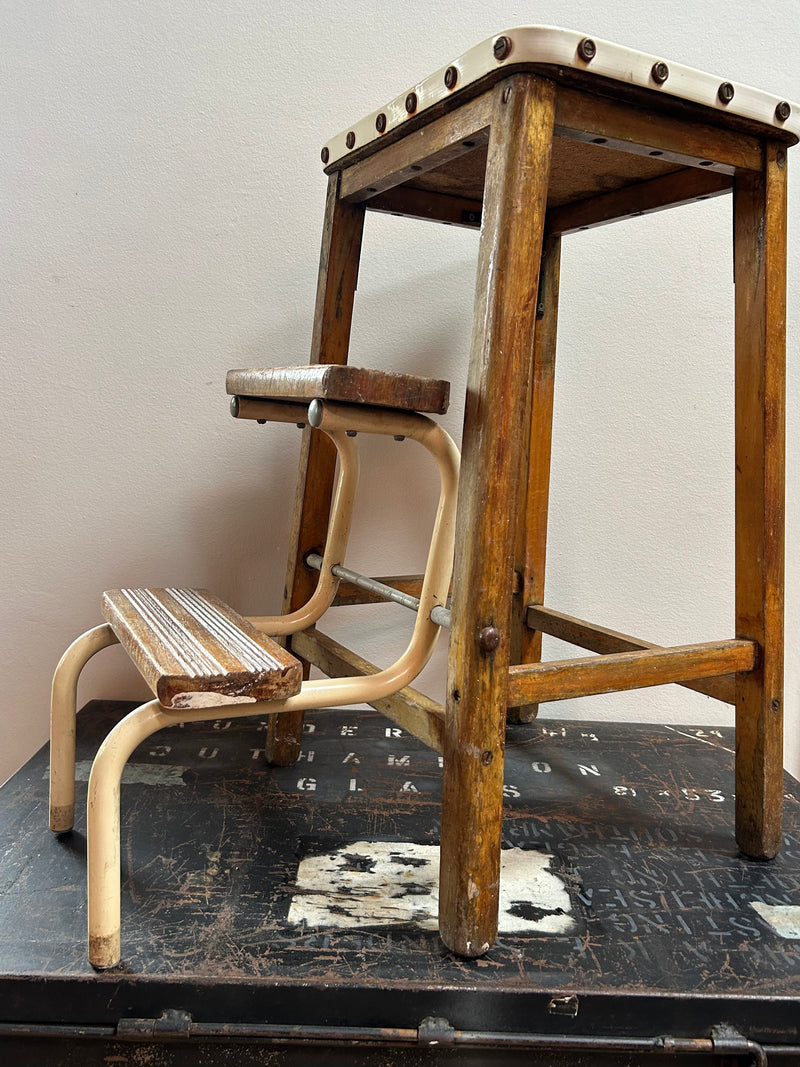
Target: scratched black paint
638, 821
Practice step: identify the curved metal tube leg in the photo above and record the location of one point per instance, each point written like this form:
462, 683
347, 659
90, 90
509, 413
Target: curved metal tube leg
62, 723
102, 828
335, 419
341, 516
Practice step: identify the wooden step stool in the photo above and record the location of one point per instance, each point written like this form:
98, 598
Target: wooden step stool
535, 134
532, 135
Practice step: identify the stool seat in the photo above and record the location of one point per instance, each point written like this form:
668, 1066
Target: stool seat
608, 161
571, 58
196, 652
346, 384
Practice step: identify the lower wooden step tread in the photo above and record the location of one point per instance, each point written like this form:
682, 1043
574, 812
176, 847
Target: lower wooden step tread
196, 652
349, 385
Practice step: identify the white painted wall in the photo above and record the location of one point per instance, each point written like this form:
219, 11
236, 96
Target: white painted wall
161, 214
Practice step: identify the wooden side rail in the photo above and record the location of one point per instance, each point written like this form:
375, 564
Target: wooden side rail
196, 652
600, 639
532, 683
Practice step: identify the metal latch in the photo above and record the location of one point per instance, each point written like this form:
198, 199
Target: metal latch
564, 1006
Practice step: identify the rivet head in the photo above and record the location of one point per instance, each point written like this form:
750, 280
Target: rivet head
235, 406
451, 77
325, 155
487, 757
587, 49
380, 123
489, 639
780, 158
411, 103
659, 72
502, 48
350, 140
775, 706
783, 110
725, 93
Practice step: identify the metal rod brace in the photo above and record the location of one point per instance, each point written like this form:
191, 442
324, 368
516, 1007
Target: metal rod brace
439, 615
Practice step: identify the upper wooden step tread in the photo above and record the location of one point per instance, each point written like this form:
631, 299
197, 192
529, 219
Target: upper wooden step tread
196, 652
351, 385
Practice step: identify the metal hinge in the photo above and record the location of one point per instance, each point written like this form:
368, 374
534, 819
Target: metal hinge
171, 1025
176, 1025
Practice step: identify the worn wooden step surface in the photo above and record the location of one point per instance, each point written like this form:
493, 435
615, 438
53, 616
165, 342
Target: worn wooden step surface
351, 385
196, 652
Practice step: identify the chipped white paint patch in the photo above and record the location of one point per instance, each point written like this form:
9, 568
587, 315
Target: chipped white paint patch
783, 918
533, 897
208, 700
134, 773
377, 883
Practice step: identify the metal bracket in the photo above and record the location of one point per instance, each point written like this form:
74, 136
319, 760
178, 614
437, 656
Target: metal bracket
435, 1031
727, 1041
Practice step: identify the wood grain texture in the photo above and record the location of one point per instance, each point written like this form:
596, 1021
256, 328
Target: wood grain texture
409, 708
350, 385
760, 273
620, 671
586, 116
434, 206
672, 190
580, 170
531, 545
497, 387
196, 652
600, 639
420, 150
336, 286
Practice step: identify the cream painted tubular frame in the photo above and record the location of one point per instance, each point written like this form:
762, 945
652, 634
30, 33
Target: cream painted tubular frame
103, 817
63, 702
335, 545
336, 420
63, 709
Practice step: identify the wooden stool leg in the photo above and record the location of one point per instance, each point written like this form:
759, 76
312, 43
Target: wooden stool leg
505, 309
526, 645
336, 286
760, 272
